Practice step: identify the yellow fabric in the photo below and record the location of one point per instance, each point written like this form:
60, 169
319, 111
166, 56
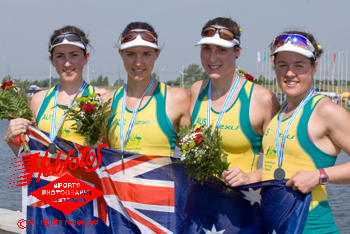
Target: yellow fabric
147, 135
234, 140
295, 157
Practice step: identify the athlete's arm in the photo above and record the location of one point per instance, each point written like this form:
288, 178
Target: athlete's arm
100, 90
107, 95
337, 127
334, 122
178, 108
234, 176
263, 107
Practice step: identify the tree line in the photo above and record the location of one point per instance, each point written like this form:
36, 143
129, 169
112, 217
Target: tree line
263, 81
192, 73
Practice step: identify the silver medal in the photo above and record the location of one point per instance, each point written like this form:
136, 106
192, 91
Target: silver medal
279, 174
52, 148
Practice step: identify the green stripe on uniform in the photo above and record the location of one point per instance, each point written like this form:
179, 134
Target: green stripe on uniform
198, 104
244, 120
320, 220
50, 94
118, 94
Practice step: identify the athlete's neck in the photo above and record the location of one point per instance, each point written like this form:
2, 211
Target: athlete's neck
137, 88
72, 87
294, 101
222, 86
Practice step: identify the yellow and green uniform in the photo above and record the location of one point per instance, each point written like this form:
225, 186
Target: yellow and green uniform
44, 117
239, 140
301, 153
152, 133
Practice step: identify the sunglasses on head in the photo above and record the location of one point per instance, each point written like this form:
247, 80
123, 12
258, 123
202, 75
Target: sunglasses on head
294, 39
145, 35
224, 33
72, 37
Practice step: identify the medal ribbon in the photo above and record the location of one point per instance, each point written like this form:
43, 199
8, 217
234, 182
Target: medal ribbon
53, 130
133, 117
280, 150
224, 107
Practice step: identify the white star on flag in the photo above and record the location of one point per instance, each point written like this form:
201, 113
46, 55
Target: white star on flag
213, 230
274, 231
253, 196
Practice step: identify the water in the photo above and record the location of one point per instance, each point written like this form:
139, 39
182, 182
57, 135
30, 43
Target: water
339, 198
10, 198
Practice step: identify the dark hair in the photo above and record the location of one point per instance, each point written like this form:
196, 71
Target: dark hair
72, 29
138, 25
310, 37
228, 23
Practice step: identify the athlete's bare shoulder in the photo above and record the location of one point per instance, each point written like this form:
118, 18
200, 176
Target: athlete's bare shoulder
100, 90
108, 95
177, 95
197, 87
264, 96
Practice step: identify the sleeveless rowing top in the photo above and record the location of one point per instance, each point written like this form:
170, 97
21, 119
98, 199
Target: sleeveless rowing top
239, 140
301, 153
44, 117
152, 133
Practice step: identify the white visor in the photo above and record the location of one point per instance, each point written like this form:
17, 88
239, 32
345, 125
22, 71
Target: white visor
66, 42
292, 48
216, 40
138, 42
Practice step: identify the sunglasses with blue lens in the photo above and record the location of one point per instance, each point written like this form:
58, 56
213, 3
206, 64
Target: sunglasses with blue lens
294, 39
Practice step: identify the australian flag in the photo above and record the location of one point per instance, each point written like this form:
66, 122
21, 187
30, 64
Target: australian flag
151, 194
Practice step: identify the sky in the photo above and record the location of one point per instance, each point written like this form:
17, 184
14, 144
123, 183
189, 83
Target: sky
26, 27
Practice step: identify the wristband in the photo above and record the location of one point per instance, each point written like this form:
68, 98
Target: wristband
324, 179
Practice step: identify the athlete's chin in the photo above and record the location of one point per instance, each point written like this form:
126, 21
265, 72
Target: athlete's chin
293, 93
138, 78
141, 77
214, 76
69, 76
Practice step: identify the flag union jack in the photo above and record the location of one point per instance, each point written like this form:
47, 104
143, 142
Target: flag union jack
143, 189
